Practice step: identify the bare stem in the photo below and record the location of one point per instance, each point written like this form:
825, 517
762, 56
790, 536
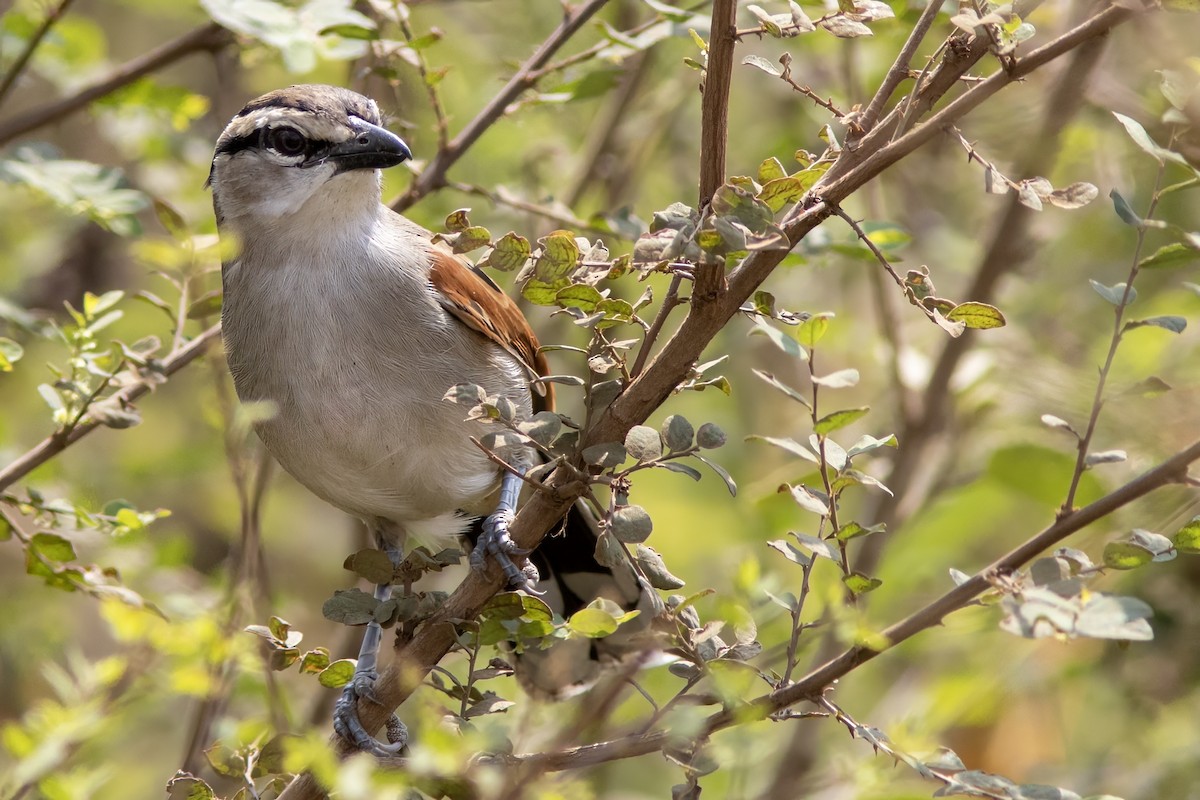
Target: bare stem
434, 175
31, 46
714, 109
1085, 441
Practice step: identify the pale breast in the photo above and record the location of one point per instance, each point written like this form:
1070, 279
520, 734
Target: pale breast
357, 359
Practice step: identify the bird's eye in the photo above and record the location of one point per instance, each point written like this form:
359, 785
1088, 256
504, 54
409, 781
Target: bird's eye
286, 141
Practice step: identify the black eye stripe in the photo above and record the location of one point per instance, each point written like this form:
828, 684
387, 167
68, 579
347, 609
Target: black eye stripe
260, 139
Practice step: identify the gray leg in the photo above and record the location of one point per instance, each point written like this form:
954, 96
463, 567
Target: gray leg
495, 540
362, 685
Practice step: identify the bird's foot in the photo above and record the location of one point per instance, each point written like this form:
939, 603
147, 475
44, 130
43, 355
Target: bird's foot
350, 727
496, 542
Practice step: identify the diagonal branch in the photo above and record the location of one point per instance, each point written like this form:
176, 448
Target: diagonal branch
434, 175
31, 46
206, 38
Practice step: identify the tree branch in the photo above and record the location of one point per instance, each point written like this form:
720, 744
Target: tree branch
714, 107
55, 443
208, 37
896, 73
434, 174
31, 47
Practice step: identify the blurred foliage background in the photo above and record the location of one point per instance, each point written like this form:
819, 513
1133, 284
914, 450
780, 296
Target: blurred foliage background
101, 698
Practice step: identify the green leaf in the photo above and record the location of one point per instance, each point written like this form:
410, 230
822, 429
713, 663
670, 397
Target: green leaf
542, 293
1126, 555
607, 455
710, 436
10, 353
1114, 293
337, 674
1124, 211
470, 239
813, 329
94, 306
842, 379
510, 252
655, 569
543, 427
593, 623
977, 315
781, 192
631, 524
790, 552
818, 547
643, 443
207, 305
858, 583
52, 547
1172, 324
580, 296
372, 564
808, 499
853, 530
314, 661
1171, 255
783, 387
1187, 538
348, 31
778, 338
867, 443
677, 432
839, 419
350, 607
769, 67
187, 787
559, 256
1143, 140
770, 169
78, 187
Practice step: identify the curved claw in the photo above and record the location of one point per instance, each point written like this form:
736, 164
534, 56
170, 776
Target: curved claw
347, 724
495, 542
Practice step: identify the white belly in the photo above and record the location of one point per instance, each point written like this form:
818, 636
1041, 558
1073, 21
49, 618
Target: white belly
360, 418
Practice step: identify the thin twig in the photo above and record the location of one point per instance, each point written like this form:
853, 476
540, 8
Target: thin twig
896, 73
669, 302
31, 46
434, 174
1085, 441
507, 467
502, 197
54, 444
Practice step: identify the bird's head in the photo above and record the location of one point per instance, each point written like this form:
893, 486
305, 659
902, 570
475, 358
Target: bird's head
312, 148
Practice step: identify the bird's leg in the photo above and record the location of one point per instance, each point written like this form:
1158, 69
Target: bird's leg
495, 540
362, 685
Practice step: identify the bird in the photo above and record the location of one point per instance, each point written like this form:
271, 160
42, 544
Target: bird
353, 323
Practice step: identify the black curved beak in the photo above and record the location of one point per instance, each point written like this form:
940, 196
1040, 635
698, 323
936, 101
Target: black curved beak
372, 147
